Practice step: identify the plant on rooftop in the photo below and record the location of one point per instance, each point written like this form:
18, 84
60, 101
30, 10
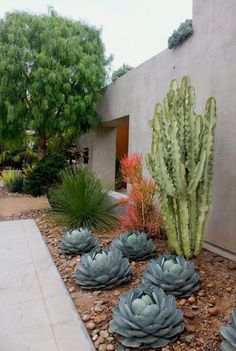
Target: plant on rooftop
120, 71
135, 246
173, 274
102, 269
184, 31
78, 242
228, 332
81, 201
181, 163
141, 212
146, 318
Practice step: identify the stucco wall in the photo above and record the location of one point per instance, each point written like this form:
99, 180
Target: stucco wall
209, 59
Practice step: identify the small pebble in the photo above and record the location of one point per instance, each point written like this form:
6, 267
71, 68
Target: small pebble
85, 317
100, 340
189, 314
102, 347
95, 331
213, 311
98, 309
190, 338
116, 293
104, 334
110, 347
190, 328
95, 337
192, 300
182, 302
90, 325
202, 293
97, 319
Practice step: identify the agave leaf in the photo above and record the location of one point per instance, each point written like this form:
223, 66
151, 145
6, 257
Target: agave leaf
225, 346
138, 306
141, 321
147, 299
161, 342
175, 318
176, 330
233, 321
125, 310
150, 312
229, 334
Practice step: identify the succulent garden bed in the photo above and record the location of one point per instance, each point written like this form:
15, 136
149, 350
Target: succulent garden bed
204, 311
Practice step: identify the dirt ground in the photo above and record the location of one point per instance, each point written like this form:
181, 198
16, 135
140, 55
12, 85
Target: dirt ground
204, 313
14, 203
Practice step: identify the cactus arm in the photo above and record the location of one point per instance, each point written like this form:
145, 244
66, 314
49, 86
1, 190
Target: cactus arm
197, 173
204, 202
184, 226
169, 209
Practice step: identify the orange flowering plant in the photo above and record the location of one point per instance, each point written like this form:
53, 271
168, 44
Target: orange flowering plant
141, 211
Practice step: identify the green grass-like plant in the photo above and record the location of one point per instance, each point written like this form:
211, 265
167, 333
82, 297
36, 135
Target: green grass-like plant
17, 185
81, 201
8, 176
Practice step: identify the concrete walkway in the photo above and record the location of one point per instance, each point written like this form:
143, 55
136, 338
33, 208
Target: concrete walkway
36, 312
14, 205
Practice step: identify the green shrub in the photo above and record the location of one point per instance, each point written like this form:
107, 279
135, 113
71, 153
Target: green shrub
43, 175
8, 176
81, 201
16, 186
184, 31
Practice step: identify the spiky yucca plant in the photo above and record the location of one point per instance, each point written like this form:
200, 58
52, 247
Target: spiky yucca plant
181, 163
81, 201
173, 274
146, 317
78, 242
102, 269
229, 334
16, 185
135, 246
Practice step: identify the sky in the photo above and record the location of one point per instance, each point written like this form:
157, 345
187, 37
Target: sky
132, 30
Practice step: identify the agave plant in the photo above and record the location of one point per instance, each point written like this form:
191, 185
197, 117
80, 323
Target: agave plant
146, 317
78, 241
229, 334
135, 246
102, 269
173, 274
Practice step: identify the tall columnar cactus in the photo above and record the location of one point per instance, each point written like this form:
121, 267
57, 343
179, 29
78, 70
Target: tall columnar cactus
181, 162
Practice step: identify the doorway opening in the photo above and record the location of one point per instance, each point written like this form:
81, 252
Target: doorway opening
122, 147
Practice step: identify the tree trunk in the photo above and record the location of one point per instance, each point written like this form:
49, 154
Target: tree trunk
42, 146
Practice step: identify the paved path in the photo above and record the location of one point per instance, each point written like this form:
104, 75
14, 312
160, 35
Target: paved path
36, 312
11, 205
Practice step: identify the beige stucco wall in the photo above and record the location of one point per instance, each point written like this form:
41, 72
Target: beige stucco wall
209, 59
102, 153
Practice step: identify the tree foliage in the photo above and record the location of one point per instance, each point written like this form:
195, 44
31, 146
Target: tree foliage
121, 71
51, 71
